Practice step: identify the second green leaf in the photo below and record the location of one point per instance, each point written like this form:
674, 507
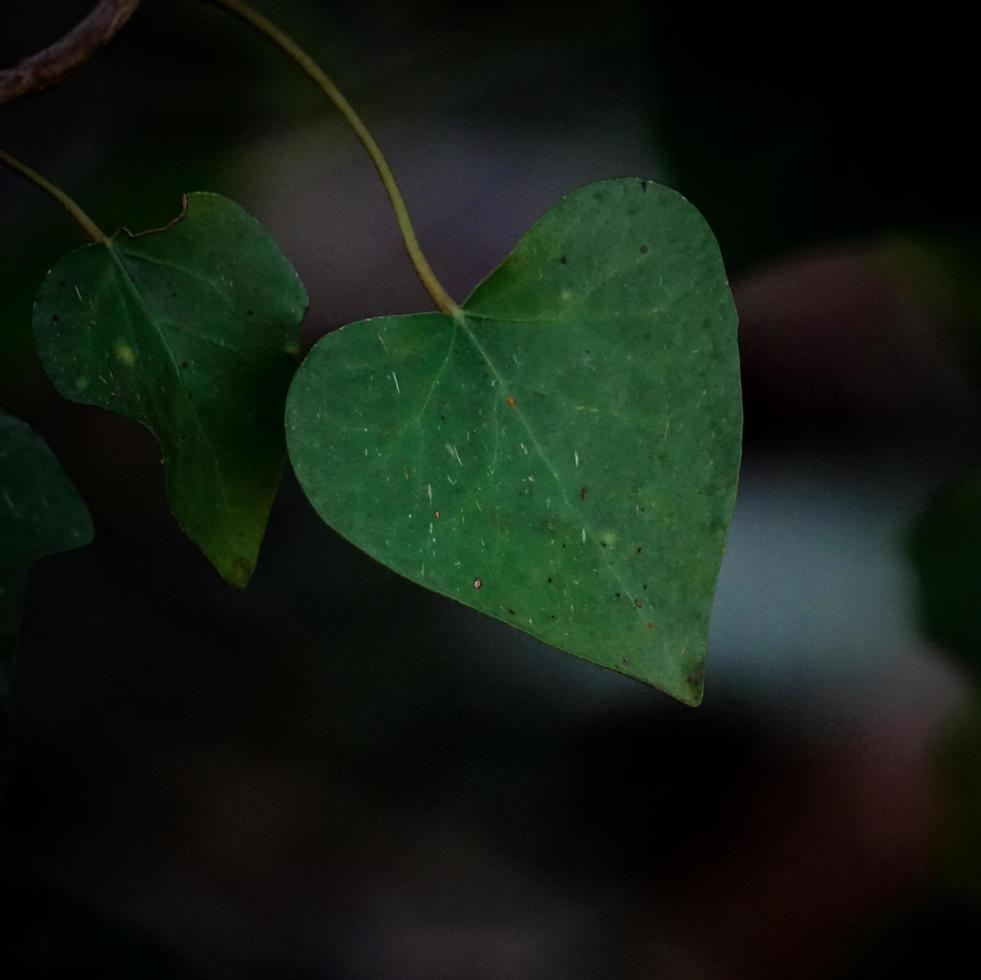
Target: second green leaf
193, 331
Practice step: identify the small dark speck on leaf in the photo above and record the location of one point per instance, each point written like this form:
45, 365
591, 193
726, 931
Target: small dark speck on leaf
626, 661
643, 249
639, 549
584, 493
550, 581
56, 319
478, 583
618, 595
564, 260
242, 567
183, 364
249, 312
510, 611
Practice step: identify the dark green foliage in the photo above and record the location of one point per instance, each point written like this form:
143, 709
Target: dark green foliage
563, 454
946, 550
193, 331
40, 514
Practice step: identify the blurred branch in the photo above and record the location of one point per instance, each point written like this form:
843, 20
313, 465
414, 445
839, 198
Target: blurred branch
50, 66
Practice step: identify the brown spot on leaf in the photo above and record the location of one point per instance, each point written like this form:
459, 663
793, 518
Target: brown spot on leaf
510, 400
241, 571
584, 493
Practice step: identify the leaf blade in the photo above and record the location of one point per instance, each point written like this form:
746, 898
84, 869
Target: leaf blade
191, 331
501, 444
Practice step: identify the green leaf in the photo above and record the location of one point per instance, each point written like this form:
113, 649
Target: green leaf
563, 455
193, 331
40, 514
945, 545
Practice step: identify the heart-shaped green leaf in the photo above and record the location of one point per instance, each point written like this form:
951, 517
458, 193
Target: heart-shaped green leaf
40, 514
563, 454
192, 331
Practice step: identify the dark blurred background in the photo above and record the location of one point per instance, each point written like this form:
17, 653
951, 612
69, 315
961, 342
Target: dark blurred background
337, 774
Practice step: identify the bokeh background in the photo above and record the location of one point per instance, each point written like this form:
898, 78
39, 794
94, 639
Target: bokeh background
337, 774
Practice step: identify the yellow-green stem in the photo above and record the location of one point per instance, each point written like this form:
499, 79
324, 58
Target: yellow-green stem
253, 18
91, 229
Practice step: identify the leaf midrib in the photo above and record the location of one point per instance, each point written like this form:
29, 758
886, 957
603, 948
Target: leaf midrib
460, 322
151, 318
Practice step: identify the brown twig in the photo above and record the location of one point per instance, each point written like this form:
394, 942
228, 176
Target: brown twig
50, 66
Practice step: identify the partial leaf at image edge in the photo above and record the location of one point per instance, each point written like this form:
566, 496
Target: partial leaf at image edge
192, 331
40, 514
945, 545
563, 454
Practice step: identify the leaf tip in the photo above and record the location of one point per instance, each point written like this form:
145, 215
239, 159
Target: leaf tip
693, 689
238, 572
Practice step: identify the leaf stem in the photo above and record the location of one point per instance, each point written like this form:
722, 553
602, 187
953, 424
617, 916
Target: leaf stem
288, 46
91, 229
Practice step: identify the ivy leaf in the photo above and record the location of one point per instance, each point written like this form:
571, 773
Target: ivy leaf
193, 331
563, 454
40, 514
